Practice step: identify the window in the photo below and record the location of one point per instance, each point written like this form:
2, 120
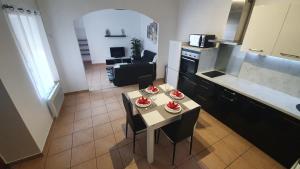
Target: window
28, 30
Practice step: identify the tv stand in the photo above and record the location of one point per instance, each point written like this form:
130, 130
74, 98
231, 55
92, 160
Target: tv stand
113, 61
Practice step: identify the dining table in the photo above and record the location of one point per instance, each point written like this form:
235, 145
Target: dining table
155, 116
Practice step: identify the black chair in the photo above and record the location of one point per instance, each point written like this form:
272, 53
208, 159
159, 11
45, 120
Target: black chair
145, 81
181, 129
135, 121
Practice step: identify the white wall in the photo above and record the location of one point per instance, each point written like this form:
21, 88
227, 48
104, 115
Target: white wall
79, 29
96, 23
59, 16
148, 44
202, 16
34, 113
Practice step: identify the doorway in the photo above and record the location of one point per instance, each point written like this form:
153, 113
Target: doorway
97, 32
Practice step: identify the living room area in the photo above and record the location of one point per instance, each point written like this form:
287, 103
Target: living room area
117, 46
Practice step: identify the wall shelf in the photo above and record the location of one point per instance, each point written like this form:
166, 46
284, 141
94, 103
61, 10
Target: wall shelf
115, 36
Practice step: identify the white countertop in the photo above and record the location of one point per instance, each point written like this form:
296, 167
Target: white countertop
273, 98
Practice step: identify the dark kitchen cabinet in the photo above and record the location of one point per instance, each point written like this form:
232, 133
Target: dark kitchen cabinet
274, 132
205, 94
187, 85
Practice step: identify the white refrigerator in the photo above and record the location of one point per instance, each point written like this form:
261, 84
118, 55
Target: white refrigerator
174, 63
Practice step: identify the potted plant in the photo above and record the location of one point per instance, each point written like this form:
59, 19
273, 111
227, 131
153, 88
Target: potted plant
136, 48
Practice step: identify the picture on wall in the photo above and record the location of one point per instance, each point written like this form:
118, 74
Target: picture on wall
152, 32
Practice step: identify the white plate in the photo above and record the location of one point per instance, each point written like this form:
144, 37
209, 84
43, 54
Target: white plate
175, 97
143, 105
150, 91
173, 111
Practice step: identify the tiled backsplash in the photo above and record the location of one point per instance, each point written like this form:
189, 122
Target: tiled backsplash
277, 73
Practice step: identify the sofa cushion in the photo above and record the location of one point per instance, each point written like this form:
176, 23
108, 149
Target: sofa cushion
148, 56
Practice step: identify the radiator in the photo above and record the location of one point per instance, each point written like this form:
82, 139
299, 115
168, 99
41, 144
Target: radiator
55, 100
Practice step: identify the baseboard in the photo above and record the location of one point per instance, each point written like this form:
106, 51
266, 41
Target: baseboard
77, 92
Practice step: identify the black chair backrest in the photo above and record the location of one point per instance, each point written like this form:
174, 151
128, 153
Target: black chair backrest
185, 127
129, 111
145, 81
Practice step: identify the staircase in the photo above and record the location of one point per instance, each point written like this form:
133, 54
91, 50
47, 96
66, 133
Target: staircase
84, 49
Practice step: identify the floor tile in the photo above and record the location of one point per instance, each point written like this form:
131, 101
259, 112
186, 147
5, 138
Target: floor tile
83, 153
237, 143
258, 159
100, 119
224, 152
113, 106
207, 159
82, 137
99, 110
240, 163
97, 103
119, 125
121, 140
92, 164
127, 154
83, 106
59, 161
38, 163
60, 144
116, 114
79, 115
101, 131
111, 160
62, 130
105, 145
83, 124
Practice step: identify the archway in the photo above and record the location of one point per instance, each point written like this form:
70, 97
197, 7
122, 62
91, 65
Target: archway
101, 30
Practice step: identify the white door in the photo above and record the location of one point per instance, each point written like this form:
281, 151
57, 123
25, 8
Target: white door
264, 27
174, 55
172, 77
288, 43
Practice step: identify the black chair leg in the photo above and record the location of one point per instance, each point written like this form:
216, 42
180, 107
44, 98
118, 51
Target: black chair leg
191, 144
134, 142
174, 149
126, 128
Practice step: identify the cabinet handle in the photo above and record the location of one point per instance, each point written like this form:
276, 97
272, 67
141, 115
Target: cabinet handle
290, 55
227, 98
256, 50
232, 93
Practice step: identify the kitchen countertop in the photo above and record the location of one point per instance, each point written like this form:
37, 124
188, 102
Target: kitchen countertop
273, 98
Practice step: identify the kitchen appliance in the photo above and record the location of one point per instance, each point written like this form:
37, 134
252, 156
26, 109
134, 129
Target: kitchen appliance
189, 61
173, 63
213, 74
195, 40
205, 41
202, 40
237, 22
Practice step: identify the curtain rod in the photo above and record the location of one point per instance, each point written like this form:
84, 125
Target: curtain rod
10, 7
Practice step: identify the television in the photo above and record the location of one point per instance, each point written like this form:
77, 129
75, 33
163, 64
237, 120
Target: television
117, 52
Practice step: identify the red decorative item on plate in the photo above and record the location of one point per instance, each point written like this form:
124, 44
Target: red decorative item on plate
176, 94
152, 89
143, 102
173, 105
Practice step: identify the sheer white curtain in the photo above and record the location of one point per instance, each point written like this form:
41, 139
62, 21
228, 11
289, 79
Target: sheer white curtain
28, 36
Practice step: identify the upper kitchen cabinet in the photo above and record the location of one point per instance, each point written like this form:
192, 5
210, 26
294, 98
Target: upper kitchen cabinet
288, 43
264, 27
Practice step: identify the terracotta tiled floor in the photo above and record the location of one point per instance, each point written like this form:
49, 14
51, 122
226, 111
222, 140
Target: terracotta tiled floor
90, 134
97, 77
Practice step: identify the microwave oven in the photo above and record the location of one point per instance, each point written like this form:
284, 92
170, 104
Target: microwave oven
201, 40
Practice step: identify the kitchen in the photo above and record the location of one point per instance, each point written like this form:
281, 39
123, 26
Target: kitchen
249, 81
